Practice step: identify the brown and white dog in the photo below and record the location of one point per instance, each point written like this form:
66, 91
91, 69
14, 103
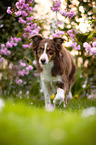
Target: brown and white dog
56, 67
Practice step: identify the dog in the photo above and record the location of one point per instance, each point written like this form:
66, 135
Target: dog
56, 67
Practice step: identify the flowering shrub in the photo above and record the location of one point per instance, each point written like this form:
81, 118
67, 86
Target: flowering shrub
18, 73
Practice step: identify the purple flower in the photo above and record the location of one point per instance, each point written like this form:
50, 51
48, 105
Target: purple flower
25, 6
8, 52
25, 46
9, 11
63, 13
93, 51
21, 73
19, 81
30, 9
3, 52
87, 46
1, 59
22, 1
22, 64
18, 13
33, 32
73, 44
30, 1
26, 72
24, 35
38, 28
23, 13
33, 26
30, 67
94, 44
70, 31
2, 45
56, 5
58, 34
28, 29
9, 45
72, 35
71, 14
17, 39
77, 48
29, 18
21, 20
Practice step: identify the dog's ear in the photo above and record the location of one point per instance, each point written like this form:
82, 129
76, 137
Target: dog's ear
35, 41
58, 42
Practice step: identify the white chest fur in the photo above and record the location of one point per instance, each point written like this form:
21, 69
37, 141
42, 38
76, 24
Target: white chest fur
46, 76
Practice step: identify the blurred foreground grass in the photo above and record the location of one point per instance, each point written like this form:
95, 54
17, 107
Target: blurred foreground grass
26, 122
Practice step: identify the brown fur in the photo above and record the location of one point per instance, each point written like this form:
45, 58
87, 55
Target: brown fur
64, 64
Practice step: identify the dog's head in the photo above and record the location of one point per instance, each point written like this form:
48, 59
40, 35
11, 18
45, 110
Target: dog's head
46, 49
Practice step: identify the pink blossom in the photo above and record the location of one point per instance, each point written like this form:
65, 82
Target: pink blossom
22, 1
30, 9
33, 32
25, 46
8, 44
73, 44
3, 52
77, 48
56, 5
30, 67
33, 26
26, 72
23, 13
57, 34
28, 29
19, 81
1, 59
70, 31
21, 20
22, 64
36, 74
93, 51
21, 73
87, 46
18, 13
25, 6
30, 1
2, 45
24, 35
17, 39
38, 28
9, 11
94, 44
8, 52
71, 14
29, 18
63, 12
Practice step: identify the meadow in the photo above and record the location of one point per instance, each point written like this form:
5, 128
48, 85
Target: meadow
26, 122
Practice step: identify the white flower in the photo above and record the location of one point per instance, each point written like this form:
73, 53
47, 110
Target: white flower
2, 104
89, 112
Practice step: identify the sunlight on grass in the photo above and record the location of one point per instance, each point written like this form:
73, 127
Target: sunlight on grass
24, 123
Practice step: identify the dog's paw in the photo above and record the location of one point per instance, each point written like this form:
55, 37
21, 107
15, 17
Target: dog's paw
49, 107
58, 100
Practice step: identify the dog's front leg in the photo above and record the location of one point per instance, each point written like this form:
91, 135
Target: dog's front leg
46, 91
59, 98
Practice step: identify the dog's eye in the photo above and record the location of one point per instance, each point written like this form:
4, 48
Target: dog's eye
50, 52
41, 48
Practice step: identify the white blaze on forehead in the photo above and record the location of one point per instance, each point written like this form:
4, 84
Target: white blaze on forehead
45, 47
44, 55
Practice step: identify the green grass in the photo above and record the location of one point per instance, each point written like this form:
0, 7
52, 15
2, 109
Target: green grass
24, 123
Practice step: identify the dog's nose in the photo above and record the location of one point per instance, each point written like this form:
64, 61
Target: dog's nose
43, 61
